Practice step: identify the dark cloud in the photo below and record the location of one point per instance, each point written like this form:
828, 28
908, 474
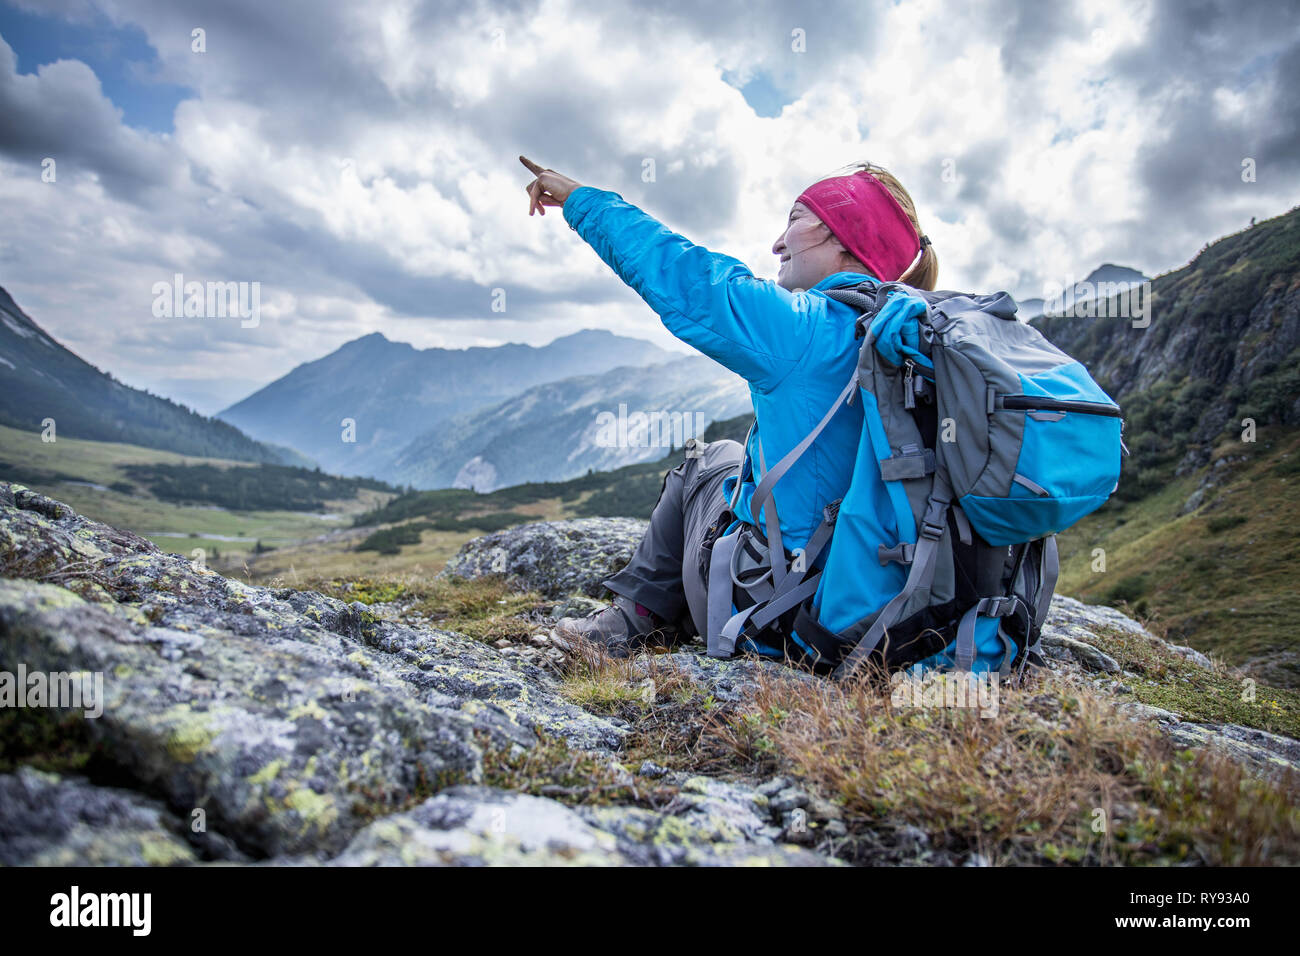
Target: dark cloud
60, 112
1028, 31
1191, 163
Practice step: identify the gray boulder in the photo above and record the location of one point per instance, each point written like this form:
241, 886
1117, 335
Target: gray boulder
288, 717
555, 558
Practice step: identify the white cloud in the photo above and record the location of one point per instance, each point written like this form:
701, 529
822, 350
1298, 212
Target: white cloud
359, 161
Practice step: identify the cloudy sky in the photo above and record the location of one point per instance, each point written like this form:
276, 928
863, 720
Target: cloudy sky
358, 160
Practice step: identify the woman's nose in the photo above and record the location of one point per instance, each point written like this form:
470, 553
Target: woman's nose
778, 247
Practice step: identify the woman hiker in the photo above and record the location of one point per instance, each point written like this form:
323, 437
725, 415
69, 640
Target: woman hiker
794, 345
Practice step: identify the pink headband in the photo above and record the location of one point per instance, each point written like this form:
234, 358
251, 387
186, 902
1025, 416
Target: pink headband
861, 213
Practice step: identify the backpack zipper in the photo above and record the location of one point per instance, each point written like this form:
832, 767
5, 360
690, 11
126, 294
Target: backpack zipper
910, 371
1036, 403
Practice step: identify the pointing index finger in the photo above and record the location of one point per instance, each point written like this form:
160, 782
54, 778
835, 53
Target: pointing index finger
532, 166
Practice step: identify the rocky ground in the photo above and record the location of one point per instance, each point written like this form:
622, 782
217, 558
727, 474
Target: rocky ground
278, 726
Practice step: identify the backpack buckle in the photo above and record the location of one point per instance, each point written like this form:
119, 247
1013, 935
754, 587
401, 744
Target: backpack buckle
1002, 605
831, 513
934, 523
901, 552
939, 321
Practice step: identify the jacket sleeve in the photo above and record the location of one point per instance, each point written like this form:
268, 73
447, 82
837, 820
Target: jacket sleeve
708, 300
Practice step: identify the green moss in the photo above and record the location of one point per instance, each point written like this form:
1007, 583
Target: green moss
1198, 694
486, 609
47, 739
365, 590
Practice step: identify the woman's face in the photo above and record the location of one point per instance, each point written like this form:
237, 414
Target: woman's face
809, 251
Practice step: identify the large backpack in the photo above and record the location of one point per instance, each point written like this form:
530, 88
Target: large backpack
980, 442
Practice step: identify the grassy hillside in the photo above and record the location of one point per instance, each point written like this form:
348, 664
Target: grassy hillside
1220, 577
40, 380
1223, 344
102, 480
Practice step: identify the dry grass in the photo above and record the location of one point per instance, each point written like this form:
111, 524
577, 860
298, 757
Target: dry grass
1056, 776
673, 717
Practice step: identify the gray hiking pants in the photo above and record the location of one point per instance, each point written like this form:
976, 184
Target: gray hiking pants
664, 573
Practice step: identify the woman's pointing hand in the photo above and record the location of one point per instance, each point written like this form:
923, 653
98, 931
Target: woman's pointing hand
548, 189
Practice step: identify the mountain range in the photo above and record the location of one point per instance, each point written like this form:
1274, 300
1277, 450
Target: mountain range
1221, 342
562, 429
392, 393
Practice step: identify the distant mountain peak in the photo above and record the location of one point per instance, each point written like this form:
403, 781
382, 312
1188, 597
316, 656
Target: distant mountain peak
582, 334
1110, 272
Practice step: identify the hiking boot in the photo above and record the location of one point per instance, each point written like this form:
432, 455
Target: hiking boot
619, 629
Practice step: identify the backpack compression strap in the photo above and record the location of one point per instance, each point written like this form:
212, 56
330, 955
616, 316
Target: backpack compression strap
920, 576
1049, 569
789, 588
764, 490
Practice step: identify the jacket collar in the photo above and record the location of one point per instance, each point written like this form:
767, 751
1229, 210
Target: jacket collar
837, 280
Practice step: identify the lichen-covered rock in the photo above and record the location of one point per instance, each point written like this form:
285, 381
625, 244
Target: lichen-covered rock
46, 820
727, 680
554, 558
276, 737
1255, 748
1060, 647
287, 717
710, 823
1080, 620
474, 825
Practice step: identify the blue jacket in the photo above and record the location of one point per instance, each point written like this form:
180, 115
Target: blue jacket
796, 351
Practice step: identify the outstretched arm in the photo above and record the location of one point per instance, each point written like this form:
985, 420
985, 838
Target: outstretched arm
711, 301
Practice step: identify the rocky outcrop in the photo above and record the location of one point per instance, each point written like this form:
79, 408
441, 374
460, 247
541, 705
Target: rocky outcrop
50, 821
248, 724
285, 722
286, 716
554, 558
712, 824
